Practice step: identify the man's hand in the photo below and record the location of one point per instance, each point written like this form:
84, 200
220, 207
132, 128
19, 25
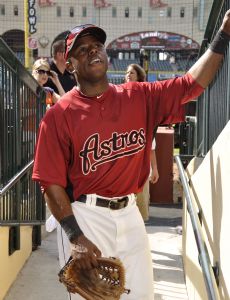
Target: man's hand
154, 175
205, 69
85, 252
54, 76
226, 23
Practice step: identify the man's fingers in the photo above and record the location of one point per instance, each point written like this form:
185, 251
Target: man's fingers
86, 253
83, 261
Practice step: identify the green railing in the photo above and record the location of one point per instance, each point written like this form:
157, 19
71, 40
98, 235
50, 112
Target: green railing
21, 108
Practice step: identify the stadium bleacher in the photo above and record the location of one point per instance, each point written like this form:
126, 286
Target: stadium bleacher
185, 64
160, 65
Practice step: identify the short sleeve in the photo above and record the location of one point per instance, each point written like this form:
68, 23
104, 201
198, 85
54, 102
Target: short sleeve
167, 98
48, 90
52, 151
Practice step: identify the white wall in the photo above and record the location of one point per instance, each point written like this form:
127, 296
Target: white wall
211, 190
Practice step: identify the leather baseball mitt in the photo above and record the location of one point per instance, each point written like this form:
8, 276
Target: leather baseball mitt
106, 282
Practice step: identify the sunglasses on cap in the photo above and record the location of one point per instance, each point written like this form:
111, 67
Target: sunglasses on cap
80, 31
40, 72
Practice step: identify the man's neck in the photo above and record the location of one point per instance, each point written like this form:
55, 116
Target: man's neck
93, 90
60, 65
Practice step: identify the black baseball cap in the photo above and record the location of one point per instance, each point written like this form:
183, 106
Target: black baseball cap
80, 31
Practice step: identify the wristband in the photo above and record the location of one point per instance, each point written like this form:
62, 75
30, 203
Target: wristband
71, 227
220, 42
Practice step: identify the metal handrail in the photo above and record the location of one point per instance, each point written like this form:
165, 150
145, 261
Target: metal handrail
21, 223
9, 58
15, 179
207, 269
7, 187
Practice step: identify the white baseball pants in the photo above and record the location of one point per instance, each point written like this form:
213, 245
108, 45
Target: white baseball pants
118, 233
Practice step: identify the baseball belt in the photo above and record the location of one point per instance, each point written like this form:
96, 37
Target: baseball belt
113, 204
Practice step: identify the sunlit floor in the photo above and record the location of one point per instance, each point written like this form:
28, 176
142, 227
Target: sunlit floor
38, 279
164, 231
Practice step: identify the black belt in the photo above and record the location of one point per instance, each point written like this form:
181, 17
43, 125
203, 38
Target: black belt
112, 204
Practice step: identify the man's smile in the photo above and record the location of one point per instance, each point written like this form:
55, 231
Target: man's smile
95, 61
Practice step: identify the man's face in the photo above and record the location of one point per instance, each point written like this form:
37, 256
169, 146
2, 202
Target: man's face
60, 57
89, 59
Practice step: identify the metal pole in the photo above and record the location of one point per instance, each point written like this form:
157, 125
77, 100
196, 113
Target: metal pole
26, 29
209, 279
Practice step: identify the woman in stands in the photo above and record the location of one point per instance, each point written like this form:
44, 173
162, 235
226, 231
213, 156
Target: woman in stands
135, 72
41, 72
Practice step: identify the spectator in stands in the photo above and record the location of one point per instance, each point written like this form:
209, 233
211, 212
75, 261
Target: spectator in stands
135, 72
41, 72
58, 65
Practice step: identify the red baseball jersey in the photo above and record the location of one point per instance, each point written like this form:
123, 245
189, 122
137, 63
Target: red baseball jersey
102, 144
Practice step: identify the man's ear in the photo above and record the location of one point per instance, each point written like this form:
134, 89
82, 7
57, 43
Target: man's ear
69, 66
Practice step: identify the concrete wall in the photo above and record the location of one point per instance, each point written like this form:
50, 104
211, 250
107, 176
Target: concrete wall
50, 25
210, 189
11, 265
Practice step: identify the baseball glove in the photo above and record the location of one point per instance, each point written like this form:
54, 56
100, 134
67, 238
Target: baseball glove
106, 282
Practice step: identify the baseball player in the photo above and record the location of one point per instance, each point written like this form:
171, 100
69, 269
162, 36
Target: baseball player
93, 153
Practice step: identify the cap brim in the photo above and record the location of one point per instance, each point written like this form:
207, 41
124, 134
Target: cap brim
94, 31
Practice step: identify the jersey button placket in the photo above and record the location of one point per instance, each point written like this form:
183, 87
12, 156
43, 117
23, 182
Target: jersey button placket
102, 109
